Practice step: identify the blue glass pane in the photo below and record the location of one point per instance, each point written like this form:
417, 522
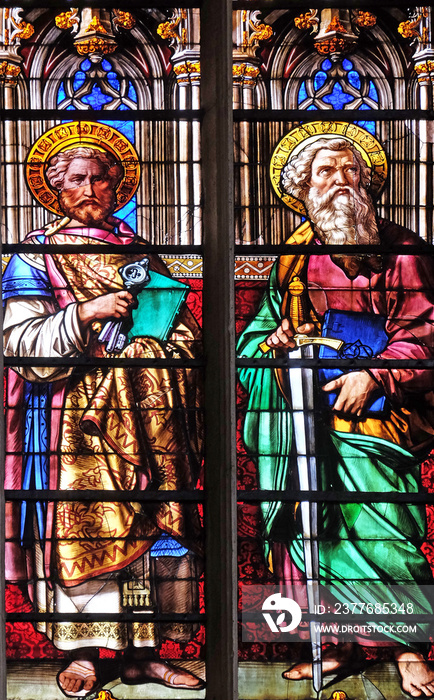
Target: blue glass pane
71, 107
364, 106
319, 79
79, 79
106, 65
327, 64
128, 213
312, 107
338, 98
167, 547
113, 80
86, 64
96, 99
126, 128
373, 94
61, 94
354, 79
302, 94
346, 64
124, 107
369, 126
132, 93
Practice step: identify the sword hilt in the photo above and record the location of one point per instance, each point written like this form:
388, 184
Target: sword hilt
301, 340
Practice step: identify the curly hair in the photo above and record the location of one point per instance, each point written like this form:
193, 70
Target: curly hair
59, 164
298, 170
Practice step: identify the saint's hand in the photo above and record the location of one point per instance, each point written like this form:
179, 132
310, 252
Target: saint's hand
283, 336
355, 391
115, 305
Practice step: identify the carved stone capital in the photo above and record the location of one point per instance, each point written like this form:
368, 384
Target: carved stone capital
9, 73
245, 74
187, 72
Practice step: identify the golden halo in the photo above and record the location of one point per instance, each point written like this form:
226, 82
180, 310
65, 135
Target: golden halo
292, 143
72, 135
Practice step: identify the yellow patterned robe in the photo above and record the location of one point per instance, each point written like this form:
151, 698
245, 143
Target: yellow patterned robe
124, 429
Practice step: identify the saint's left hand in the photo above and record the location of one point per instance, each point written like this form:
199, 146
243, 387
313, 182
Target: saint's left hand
355, 390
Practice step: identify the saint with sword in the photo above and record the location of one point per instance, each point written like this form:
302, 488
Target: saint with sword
332, 429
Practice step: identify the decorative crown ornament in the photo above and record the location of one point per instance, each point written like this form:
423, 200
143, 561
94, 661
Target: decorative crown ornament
337, 29
94, 29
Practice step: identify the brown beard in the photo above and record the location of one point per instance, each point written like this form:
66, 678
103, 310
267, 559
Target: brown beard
346, 221
88, 213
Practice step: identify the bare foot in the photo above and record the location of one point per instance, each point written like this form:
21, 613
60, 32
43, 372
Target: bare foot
137, 671
334, 657
79, 678
417, 676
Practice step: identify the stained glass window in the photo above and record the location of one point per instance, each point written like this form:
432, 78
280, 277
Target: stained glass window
121, 303
330, 540
103, 354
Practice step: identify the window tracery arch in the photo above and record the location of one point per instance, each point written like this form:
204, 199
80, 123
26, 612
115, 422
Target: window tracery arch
379, 59
96, 86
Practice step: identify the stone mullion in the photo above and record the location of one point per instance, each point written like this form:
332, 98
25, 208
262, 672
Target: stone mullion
182, 30
247, 32
219, 346
183, 168
196, 167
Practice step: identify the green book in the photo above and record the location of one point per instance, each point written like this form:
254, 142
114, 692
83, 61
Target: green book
158, 305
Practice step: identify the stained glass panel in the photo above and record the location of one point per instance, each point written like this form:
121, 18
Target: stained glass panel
334, 343
102, 293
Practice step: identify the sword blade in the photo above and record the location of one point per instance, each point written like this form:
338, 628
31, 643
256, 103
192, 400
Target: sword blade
302, 397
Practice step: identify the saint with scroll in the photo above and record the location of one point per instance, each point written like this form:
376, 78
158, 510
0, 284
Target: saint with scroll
94, 419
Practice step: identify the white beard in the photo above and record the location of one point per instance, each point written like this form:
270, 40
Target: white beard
343, 219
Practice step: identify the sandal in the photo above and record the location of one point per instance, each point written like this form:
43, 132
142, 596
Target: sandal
83, 673
167, 675
172, 673
104, 671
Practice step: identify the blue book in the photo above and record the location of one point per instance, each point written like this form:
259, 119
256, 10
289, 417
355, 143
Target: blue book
364, 336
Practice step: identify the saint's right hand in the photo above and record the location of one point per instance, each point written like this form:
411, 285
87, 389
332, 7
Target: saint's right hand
115, 305
283, 337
